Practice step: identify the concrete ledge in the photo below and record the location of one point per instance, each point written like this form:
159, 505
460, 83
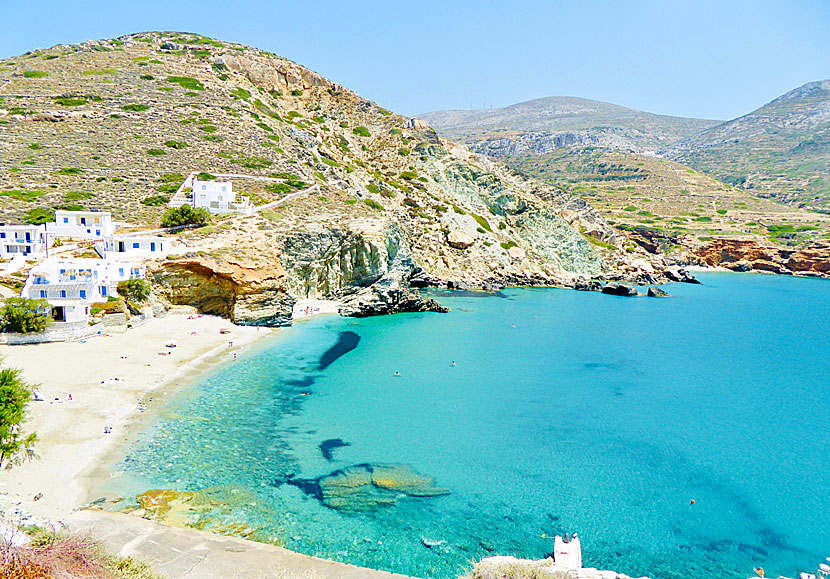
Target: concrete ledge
192, 554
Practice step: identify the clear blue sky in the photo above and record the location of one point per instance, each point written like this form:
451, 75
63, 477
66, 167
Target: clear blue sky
704, 58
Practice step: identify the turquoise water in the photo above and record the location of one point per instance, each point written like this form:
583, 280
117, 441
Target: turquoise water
566, 411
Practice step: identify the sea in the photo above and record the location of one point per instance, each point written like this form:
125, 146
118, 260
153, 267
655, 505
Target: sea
686, 436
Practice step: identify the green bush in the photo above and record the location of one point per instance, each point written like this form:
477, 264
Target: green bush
134, 290
69, 171
240, 93
296, 92
147, 77
185, 215
361, 131
186, 82
154, 200
25, 316
409, 175
372, 188
135, 108
373, 204
70, 101
39, 216
155, 152
35, 74
15, 447
29, 196
204, 177
482, 222
175, 144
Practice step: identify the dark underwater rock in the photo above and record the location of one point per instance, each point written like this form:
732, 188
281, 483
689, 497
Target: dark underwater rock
346, 342
327, 447
656, 292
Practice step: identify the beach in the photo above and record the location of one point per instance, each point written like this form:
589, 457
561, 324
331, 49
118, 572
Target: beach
103, 383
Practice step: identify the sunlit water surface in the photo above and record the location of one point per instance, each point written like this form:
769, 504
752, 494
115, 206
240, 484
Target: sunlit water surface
565, 411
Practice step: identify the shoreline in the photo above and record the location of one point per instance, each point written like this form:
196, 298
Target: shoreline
112, 379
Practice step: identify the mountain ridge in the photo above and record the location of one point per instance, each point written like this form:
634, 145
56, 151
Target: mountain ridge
536, 124
780, 150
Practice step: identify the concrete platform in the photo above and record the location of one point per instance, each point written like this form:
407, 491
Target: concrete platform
191, 554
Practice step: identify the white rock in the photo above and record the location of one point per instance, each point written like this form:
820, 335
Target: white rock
516, 253
459, 240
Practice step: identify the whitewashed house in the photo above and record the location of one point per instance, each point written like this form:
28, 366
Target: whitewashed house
218, 197
82, 224
23, 240
72, 285
121, 247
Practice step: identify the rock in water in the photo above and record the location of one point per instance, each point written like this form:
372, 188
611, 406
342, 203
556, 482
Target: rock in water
619, 289
680, 275
367, 487
656, 292
346, 342
327, 447
590, 285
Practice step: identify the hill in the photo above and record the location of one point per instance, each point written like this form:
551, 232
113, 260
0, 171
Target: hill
383, 203
644, 192
543, 125
781, 150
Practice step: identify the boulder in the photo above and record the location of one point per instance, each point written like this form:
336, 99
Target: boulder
619, 289
656, 292
516, 253
588, 285
681, 275
459, 240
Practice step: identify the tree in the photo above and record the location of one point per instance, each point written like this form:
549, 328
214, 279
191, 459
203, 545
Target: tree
25, 316
15, 447
185, 215
136, 290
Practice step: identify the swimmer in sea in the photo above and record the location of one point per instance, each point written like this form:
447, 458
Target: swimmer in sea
397, 373
453, 362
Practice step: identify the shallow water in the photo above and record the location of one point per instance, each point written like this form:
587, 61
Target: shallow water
565, 411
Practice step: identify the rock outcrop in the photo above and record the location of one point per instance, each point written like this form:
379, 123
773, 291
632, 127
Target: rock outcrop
619, 289
246, 291
656, 292
751, 254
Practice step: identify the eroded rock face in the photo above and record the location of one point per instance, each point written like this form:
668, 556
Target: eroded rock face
246, 291
367, 265
749, 254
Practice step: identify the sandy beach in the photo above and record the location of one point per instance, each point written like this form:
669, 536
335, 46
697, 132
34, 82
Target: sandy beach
109, 378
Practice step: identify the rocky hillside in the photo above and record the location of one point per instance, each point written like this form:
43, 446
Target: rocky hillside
543, 125
781, 150
636, 192
379, 203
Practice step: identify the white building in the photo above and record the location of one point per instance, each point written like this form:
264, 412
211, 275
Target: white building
26, 240
82, 224
122, 247
215, 196
72, 285
568, 553
218, 197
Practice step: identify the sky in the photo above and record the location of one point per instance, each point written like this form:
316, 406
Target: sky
716, 59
